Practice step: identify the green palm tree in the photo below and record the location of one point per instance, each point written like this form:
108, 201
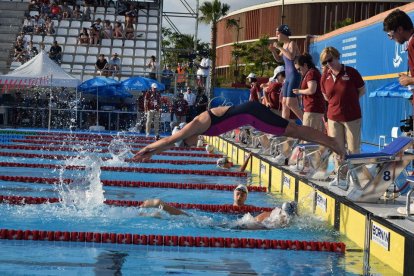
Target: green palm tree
211, 12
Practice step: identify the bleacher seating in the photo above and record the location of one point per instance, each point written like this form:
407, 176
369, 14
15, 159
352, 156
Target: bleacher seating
79, 60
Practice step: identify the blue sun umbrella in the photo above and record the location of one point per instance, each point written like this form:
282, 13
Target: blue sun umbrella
393, 89
141, 84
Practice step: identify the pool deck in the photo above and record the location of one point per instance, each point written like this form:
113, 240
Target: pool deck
377, 228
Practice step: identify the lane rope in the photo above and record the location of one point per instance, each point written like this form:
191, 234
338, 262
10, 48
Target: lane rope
71, 149
215, 208
129, 169
65, 157
134, 184
164, 240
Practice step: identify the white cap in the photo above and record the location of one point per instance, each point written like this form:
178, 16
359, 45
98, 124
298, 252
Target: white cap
251, 75
277, 71
154, 85
221, 161
242, 188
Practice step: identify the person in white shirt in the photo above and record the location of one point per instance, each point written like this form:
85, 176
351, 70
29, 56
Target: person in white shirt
190, 97
203, 70
152, 65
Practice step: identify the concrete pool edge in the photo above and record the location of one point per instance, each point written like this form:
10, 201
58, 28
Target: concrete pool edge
391, 244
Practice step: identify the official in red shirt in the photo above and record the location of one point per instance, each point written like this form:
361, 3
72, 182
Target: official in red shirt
342, 86
272, 90
254, 88
152, 106
399, 27
310, 90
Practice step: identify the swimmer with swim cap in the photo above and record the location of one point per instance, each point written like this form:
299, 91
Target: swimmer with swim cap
224, 163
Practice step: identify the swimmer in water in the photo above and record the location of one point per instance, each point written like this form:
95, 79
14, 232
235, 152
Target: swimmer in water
224, 163
222, 119
240, 194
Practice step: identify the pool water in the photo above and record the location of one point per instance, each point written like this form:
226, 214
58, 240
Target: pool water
87, 213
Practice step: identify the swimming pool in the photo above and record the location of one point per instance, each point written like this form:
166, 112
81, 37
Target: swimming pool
83, 211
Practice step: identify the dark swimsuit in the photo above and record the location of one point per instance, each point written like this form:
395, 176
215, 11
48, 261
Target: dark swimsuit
254, 114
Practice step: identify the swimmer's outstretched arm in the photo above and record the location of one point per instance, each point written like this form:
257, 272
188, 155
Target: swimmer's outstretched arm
158, 203
189, 134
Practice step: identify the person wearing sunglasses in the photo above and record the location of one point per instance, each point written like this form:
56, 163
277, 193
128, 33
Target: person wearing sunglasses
399, 27
287, 52
342, 87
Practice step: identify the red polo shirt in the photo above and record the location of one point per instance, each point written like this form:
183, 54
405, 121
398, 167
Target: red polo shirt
273, 92
342, 94
253, 93
313, 103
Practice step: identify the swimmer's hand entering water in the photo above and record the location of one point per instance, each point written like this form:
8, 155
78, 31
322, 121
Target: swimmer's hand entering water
144, 154
158, 203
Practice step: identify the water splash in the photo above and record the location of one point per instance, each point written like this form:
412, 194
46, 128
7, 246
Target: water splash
119, 150
85, 193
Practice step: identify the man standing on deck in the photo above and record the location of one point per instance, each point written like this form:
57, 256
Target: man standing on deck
399, 27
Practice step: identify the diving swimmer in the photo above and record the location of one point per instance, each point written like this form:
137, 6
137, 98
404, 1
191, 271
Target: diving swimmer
222, 119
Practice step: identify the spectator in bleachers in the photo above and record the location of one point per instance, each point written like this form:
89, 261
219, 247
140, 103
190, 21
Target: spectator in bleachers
107, 30
55, 52
98, 24
86, 14
114, 66
118, 30
180, 108
100, 65
166, 77
49, 26
55, 11
129, 30
66, 11
31, 50
28, 24
22, 38
39, 25
83, 37
33, 6
93, 35
77, 13
152, 65
19, 52
44, 9
131, 14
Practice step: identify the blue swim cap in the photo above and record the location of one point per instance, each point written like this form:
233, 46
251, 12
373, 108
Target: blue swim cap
284, 29
291, 208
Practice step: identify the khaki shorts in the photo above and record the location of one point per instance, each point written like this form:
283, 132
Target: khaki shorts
313, 120
348, 133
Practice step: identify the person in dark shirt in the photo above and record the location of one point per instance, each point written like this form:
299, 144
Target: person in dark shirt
55, 53
201, 101
100, 65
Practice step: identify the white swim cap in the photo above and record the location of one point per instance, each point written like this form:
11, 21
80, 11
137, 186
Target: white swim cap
209, 148
242, 188
221, 161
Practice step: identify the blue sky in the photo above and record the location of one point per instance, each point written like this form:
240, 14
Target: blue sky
187, 26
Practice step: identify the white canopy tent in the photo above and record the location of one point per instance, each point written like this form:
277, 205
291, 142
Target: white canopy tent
39, 71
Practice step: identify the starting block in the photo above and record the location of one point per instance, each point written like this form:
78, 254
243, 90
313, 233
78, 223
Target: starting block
307, 159
387, 166
281, 146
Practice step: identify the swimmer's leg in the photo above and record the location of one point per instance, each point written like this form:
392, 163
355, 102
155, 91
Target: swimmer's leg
312, 135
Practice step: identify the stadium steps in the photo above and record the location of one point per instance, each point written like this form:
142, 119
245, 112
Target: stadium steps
11, 20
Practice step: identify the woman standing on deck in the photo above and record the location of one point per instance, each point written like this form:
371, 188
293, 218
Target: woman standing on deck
287, 54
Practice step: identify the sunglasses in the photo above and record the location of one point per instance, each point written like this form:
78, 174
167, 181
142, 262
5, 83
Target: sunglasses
391, 34
327, 61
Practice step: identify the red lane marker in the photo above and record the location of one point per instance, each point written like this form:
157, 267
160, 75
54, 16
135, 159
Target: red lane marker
135, 184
